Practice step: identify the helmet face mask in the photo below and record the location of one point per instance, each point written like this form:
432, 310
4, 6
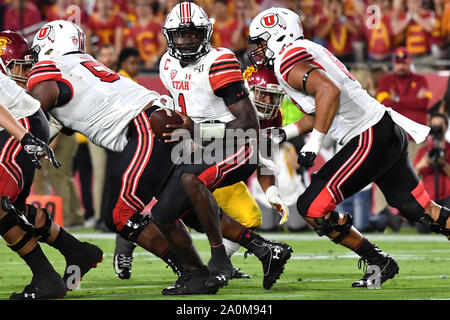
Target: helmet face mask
267, 100
265, 92
188, 42
259, 54
15, 58
17, 69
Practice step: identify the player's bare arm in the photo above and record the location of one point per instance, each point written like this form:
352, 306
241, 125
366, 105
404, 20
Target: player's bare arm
47, 93
245, 114
324, 90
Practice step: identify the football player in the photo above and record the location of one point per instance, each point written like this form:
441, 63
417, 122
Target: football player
206, 84
267, 95
374, 139
21, 224
113, 112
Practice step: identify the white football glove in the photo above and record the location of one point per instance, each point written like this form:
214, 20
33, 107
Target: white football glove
277, 203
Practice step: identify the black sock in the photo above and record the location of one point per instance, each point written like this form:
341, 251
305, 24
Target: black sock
246, 237
366, 250
65, 243
218, 251
37, 261
173, 261
201, 272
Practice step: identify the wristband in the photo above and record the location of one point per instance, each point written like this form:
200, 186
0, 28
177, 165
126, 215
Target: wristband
315, 142
291, 131
212, 130
271, 191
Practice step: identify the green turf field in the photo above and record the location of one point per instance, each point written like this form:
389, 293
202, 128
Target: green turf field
317, 270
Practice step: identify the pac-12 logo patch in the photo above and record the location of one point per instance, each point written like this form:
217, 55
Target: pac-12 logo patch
173, 73
269, 20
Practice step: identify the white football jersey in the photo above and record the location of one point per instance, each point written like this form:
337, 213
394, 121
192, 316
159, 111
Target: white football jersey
357, 112
192, 87
15, 99
103, 102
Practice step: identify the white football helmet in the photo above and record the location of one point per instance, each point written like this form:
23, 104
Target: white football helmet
278, 27
188, 32
57, 38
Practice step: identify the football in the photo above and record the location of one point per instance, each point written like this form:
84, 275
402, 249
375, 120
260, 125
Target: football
162, 117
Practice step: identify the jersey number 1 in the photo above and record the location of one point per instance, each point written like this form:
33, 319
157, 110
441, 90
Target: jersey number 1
100, 71
182, 103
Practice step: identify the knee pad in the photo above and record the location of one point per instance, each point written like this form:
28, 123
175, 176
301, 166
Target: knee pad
14, 218
330, 224
41, 233
134, 226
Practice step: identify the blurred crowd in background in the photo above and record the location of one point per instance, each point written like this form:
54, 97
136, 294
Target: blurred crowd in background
389, 45
353, 30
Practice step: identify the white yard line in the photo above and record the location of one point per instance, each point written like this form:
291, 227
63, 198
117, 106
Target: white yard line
297, 236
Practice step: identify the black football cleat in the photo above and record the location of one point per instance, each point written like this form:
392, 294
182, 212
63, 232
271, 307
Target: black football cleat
48, 285
376, 272
195, 285
122, 266
123, 257
273, 256
220, 272
86, 257
178, 285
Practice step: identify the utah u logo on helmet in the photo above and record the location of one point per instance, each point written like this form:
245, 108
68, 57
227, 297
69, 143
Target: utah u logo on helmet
271, 20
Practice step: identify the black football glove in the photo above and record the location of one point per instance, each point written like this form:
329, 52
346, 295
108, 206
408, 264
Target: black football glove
306, 159
36, 149
273, 135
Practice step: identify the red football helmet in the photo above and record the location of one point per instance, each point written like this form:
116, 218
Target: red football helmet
15, 54
265, 91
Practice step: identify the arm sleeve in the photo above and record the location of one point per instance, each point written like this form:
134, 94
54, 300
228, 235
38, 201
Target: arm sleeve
224, 71
232, 93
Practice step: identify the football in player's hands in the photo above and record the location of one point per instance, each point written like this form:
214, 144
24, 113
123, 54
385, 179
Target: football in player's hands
161, 118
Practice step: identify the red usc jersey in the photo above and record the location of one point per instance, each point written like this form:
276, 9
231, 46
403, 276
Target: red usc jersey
275, 122
105, 30
146, 39
379, 40
339, 40
406, 89
418, 41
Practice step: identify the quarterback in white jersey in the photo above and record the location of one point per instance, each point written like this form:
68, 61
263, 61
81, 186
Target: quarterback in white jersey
193, 86
206, 84
374, 138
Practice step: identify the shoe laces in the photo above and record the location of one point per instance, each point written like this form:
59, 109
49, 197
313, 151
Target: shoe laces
362, 264
183, 278
124, 261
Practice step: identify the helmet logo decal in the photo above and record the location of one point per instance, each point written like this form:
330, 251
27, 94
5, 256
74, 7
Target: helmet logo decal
3, 42
269, 20
44, 32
